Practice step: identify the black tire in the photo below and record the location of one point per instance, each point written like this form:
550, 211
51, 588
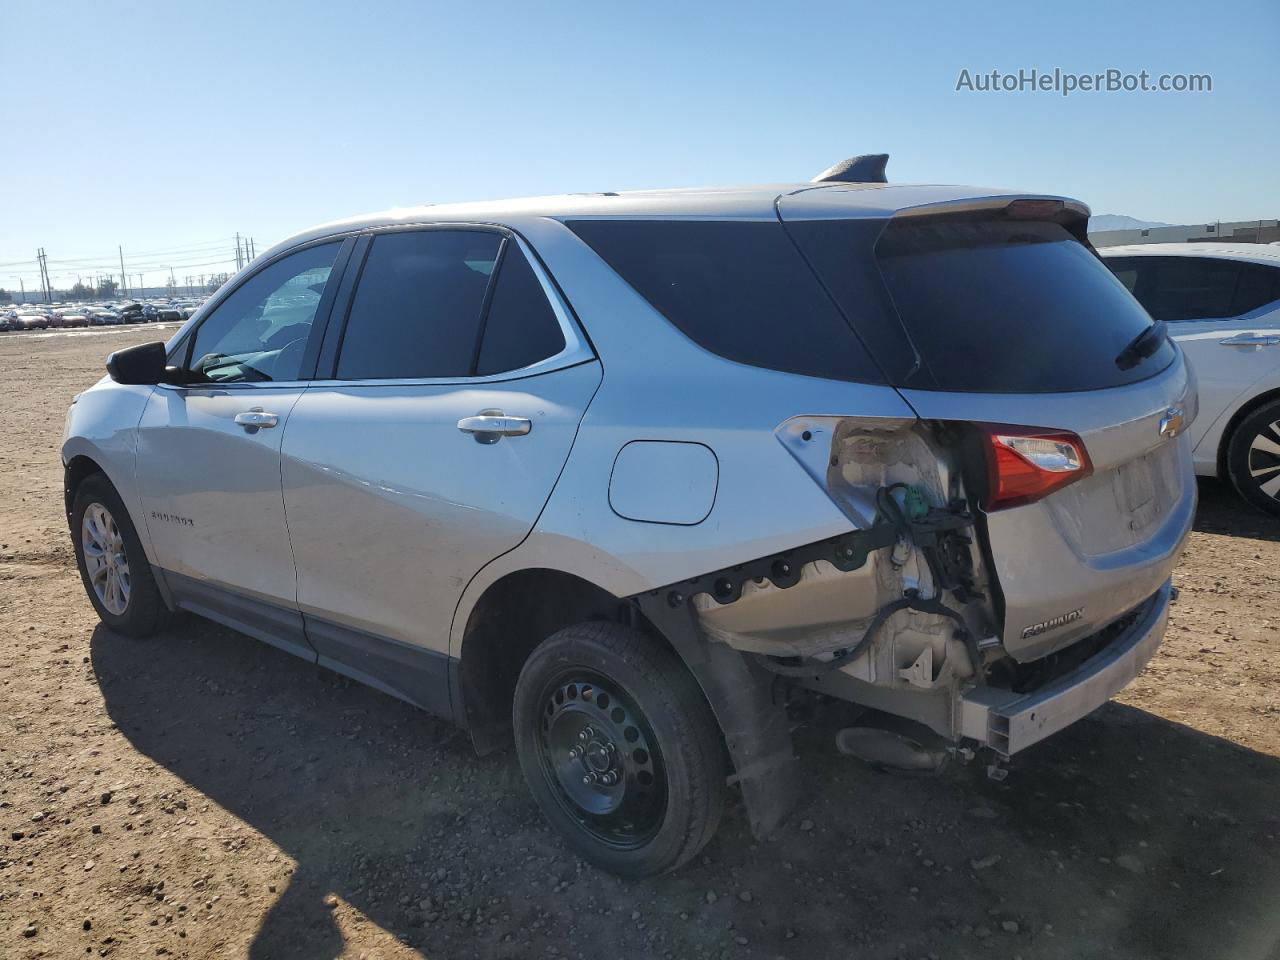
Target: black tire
144, 612
1247, 455
647, 719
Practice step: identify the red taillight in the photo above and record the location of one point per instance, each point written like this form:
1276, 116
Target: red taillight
1025, 464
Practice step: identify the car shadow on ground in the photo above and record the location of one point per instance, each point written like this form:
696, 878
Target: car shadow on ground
1221, 510
1124, 836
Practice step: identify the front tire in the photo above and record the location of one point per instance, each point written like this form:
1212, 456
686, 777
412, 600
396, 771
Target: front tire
619, 748
1253, 458
113, 565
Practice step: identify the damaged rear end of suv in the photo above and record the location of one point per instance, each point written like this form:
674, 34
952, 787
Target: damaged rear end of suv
990, 422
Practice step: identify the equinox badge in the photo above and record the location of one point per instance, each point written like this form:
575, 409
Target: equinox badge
1053, 622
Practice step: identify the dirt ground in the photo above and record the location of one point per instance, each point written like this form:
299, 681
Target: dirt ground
204, 795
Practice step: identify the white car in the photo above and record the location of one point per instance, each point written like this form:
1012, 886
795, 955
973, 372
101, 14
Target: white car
1222, 304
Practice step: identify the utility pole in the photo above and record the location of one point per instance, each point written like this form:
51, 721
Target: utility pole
238, 263
124, 281
45, 285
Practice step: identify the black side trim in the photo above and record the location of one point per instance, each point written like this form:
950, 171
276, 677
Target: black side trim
406, 671
324, 311
258, 618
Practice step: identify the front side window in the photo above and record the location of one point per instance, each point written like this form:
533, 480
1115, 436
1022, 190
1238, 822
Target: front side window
417, 309
259, 333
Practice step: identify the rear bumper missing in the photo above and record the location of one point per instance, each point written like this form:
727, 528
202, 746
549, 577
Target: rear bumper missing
1008, 721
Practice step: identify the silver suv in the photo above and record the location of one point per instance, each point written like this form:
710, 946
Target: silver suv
618, 476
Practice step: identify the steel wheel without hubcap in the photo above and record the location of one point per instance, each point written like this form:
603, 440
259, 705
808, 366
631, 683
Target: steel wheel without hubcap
601, 760
105, 559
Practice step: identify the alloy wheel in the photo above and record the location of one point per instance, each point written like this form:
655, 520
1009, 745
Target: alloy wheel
1264, 460
105, 560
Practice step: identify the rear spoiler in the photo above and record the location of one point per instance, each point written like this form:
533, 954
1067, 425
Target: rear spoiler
1072, 215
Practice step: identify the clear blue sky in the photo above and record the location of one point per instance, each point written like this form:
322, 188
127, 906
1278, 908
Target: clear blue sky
170, 127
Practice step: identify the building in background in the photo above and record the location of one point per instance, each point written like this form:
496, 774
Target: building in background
1235, 231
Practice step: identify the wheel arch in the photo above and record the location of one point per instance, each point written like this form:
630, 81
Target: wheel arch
1244, 410
520, 609
74, 473
511, 617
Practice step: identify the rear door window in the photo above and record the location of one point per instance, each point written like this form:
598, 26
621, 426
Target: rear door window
1258, 285
1198, 288
418, 306
738, 288
1013, 306
1189, 288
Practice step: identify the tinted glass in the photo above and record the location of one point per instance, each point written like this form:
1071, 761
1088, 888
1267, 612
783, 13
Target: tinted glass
260, 331
1257, 286
520, 328
416, 311
1126, 273
1188, 288
737, 288
1013, 307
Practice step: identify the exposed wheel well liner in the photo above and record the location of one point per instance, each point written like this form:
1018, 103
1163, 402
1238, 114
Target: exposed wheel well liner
518, 612
513, 616
74, 474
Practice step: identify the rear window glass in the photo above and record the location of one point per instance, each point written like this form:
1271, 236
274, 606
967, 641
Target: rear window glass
737, 288
1013, 307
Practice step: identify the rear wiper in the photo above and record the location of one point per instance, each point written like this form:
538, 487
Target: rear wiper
1142, 346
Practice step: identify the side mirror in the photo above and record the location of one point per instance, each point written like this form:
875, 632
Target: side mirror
143, 364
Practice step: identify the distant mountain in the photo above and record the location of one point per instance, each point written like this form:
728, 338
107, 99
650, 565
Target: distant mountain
1114, 221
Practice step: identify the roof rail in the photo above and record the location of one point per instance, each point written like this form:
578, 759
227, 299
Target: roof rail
867, 168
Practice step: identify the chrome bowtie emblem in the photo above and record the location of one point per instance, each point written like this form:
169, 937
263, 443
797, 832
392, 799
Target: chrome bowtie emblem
1173, 421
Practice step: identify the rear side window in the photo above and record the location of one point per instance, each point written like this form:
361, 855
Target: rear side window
521, 329
737, 288
417, 309
1013, 307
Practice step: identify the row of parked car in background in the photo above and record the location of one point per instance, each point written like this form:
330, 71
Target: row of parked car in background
106, 314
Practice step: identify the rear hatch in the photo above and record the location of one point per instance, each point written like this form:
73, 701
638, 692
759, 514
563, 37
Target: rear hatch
995, 314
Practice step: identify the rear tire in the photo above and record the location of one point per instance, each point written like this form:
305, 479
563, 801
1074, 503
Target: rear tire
619, 748
1253, 458
113, 565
